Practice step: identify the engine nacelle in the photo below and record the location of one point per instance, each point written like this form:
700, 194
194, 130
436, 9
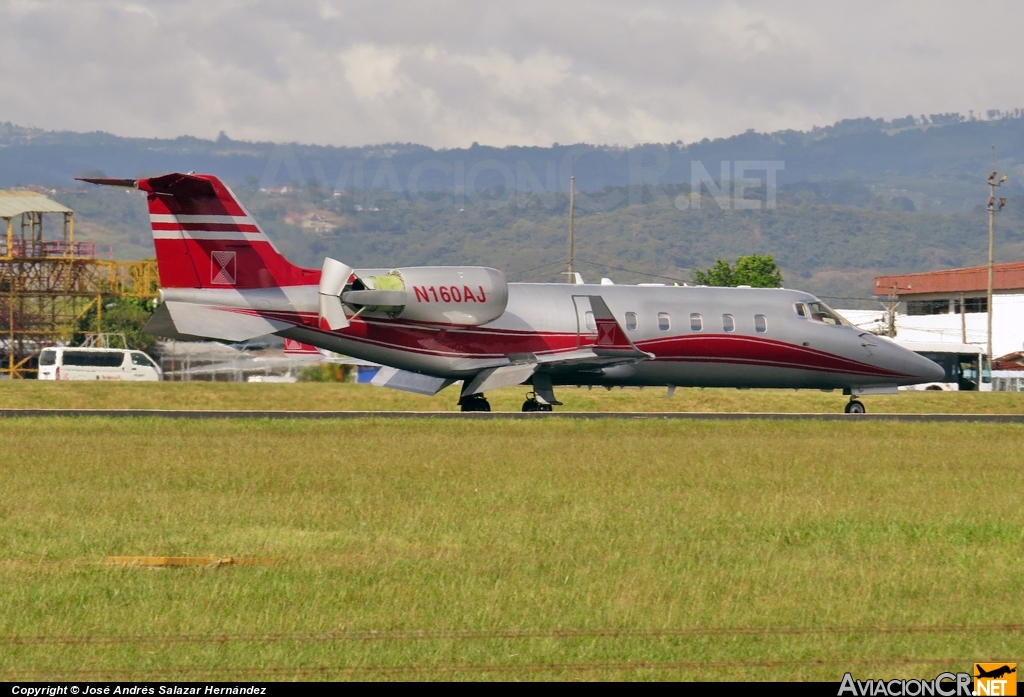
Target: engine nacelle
460, 295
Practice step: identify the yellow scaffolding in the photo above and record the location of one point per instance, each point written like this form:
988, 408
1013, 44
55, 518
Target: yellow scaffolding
46, 285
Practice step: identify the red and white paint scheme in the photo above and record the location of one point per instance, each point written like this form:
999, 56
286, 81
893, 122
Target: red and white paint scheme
222, 278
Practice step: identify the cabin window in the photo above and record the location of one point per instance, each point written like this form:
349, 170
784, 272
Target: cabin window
589, 321
48, 357
728, 323
801, 310
664, 323
760, 324
696, 322
631, 323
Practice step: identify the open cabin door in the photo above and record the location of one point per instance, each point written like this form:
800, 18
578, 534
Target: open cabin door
586, 325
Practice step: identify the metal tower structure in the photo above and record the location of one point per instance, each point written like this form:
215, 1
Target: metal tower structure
48, 283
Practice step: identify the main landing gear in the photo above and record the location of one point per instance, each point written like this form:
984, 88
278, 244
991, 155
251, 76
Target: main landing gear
532, 404
474, 402
855, 406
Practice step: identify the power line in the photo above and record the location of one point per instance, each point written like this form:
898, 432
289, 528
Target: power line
639, 273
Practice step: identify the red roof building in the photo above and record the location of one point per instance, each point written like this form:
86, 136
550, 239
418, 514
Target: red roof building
1005, 278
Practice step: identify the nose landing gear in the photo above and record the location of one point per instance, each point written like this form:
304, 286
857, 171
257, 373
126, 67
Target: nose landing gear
855, 406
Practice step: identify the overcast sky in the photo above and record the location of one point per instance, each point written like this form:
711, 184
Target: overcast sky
446, 74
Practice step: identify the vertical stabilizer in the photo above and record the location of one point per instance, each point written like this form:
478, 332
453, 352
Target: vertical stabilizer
205, 238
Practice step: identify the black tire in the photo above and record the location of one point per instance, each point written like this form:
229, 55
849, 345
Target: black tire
531, 405
476, 402
855, 407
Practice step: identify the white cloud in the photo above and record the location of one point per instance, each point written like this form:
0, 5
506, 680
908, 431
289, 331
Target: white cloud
371, 71
452, 72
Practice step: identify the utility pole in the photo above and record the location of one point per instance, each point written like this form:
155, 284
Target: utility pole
993, 207
963, 321
572, 220
891, 313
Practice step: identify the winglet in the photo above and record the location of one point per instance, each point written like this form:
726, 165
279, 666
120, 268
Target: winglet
611, 339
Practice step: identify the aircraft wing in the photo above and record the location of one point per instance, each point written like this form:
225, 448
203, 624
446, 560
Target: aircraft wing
612, 347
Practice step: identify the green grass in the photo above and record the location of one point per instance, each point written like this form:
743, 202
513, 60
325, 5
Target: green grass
353, 397
508, 527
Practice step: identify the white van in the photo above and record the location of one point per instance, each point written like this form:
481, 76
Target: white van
81, 363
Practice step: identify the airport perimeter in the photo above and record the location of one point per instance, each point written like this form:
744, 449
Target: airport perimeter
471, 548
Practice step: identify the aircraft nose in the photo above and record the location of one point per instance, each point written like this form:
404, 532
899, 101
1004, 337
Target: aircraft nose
918, 368
926, 370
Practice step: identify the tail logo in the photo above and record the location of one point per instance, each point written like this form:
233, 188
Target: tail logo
222, 268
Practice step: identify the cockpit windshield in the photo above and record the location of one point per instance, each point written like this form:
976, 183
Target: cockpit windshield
820, 312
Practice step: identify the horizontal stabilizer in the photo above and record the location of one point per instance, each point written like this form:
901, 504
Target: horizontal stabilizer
409, 382
160, 324
220, 323
124, 183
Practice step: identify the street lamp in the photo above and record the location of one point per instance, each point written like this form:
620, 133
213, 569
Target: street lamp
994, 206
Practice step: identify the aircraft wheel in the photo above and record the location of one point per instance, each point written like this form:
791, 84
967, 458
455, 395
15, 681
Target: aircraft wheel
855, 407
531, 404
474, 402
534, 405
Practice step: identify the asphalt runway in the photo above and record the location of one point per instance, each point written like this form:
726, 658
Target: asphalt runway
507, 415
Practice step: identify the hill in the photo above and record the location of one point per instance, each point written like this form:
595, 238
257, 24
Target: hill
850, 200
934, 161
828, 248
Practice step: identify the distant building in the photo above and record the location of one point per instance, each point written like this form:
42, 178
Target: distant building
951, 306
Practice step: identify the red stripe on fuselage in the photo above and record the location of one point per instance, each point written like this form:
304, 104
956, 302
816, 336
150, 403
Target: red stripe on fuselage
746, 349
480, 342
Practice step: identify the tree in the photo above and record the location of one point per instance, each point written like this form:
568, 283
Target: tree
721, 274
752, 270
120, 316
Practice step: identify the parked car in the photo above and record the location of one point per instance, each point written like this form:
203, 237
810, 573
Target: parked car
81, 363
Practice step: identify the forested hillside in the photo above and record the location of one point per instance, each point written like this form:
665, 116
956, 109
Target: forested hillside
829, 248
932, 161
833, 205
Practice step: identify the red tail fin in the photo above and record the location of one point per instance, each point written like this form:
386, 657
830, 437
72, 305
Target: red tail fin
204, 238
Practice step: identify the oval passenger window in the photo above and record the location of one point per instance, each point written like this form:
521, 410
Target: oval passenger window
631, 323
664, 323
728, 323
760, 324
696, 322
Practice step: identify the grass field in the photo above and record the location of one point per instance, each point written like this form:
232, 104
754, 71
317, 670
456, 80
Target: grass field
353, 397
559, 550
